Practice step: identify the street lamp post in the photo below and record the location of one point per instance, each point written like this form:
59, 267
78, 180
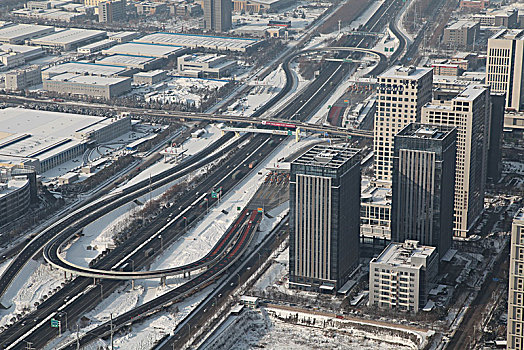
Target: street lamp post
161, 243
132, 270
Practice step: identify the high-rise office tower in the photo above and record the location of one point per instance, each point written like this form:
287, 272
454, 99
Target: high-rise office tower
516, 285
402, 91
324, 218
505, 66
498, 101
423, 191
470, 112
217, 15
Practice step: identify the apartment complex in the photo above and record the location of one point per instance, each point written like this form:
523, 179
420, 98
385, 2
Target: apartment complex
324, 218
505, 66
461, 34
470, 112
109, 11
402, 91
423, 195
400, 277
515, 327
217, 15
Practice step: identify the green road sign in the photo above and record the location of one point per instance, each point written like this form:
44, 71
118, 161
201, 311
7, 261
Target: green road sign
214, 195
347, 60
239, 208
55, 323
289, 132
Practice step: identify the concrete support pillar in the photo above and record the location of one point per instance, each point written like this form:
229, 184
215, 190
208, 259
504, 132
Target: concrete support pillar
163, 281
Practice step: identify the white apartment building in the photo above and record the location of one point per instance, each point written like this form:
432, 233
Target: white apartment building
505, 66
402, 91
516, 285
400, 277
470, 112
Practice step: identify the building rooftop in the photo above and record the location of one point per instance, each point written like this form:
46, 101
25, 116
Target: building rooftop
462, 24
125, 60
509, 34
11, 185
193, 40
122, 34
145, 49
425, 131
400, 72
69, 36
14, 31
151, 73
407, 254
371, 193
88, 79
519, 216
97, 44
471, 92
86, 68
27, 133
326, 156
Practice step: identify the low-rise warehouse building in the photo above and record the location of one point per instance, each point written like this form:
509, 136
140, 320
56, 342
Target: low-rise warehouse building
47, 139
19, 33
84, 68
209, 66
133, 62
256, 6
70, 39
150, 78
194, 41
146, 50
29, 52
93, 86
96, 46
401, 276
123, 37
51, 14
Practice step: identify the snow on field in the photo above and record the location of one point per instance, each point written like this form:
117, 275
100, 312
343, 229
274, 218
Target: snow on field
366, 15
21, 296
181, 90
254, 329
98, 235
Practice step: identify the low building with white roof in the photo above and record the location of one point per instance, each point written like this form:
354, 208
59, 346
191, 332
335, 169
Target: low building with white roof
45, 139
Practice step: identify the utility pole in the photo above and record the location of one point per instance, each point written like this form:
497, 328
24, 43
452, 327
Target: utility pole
111, 320
77, 337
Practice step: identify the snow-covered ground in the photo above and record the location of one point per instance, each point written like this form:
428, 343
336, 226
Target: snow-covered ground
22, 295
181, 90
261, 329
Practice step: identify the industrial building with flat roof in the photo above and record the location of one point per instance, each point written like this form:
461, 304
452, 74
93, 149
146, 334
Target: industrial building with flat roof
29, 52
218, 43
150, 78
19, 33
202, 65
70, 39
123, 37
84, 68
129, 61
146, 49
96, 46
93, 86
46, 139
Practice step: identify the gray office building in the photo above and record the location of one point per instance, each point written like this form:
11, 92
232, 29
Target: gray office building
217, 15
423, 185
324, 218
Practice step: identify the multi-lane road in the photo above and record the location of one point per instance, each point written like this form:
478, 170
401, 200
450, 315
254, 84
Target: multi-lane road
305, 105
